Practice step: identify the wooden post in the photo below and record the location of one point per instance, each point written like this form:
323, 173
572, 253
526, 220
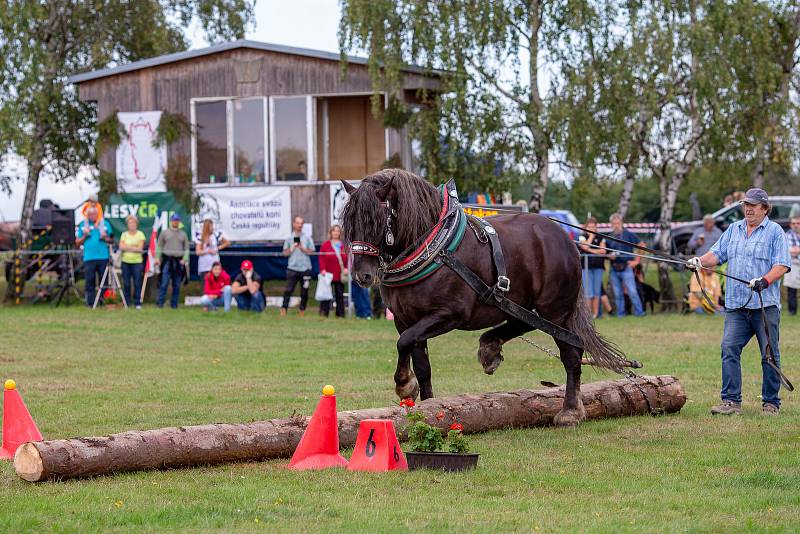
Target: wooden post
262, 440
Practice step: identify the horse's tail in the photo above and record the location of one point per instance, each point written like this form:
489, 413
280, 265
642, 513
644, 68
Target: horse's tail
603, 352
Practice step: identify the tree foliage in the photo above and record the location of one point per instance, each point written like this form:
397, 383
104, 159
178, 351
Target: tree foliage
489, 124
43, 43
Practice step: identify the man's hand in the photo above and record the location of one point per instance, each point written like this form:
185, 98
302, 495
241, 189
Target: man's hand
694, 264
759, 284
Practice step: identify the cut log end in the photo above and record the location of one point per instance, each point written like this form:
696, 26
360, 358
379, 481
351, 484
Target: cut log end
28, 463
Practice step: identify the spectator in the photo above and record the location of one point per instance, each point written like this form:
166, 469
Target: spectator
792, 279
361, 301
622, 265
131, 243
333, 259
298, 247
710, 283
172, 253
94, 233
705, 236
594, 247
216, 289
247, 289
208, 244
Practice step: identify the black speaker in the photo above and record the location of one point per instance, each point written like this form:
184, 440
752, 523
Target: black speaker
62, 230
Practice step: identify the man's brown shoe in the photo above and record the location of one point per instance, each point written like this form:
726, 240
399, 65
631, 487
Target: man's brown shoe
770, 409
283, 312
727, 408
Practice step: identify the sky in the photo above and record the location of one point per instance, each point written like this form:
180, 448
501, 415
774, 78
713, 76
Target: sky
302, 23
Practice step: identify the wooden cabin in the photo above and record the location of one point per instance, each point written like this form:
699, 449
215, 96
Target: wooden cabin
263, 116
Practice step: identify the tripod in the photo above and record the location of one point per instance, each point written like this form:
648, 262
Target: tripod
66, 280
110, 277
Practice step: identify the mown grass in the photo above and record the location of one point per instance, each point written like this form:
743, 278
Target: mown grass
92, 373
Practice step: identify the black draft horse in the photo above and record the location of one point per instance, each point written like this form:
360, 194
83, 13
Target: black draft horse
543, 266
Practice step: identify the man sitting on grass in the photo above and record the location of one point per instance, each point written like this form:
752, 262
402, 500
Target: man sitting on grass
216, 289
246, 289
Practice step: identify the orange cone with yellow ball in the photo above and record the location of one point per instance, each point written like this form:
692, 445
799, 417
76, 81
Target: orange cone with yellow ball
319, 446
18, 425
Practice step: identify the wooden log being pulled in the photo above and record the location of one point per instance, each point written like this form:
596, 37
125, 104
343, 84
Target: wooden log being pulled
262, 440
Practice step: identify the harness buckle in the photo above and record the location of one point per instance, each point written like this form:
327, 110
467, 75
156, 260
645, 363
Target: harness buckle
503, 284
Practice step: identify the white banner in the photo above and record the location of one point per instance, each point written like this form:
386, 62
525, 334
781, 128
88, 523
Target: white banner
140, 165
247, 213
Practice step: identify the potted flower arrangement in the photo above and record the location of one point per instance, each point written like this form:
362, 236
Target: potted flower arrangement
430, 449
110, 298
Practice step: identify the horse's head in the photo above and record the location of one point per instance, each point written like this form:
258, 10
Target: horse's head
383, 216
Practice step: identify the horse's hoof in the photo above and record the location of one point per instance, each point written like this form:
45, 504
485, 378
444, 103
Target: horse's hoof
570, 418
408, 390
567, 419
490, 356
636, 364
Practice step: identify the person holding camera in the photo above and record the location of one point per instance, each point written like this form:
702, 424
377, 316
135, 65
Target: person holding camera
622, 265
94, 234
298, 247
246, 289
172, 251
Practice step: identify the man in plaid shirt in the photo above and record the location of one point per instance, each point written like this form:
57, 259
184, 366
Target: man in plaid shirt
755, 249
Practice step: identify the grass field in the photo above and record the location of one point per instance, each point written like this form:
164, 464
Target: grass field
92, 373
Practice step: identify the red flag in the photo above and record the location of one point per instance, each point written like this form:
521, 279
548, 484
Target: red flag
149, 266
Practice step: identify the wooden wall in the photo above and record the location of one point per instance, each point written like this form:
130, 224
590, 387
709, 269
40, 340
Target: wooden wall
240, 73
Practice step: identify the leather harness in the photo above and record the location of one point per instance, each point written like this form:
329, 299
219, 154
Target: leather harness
438, 248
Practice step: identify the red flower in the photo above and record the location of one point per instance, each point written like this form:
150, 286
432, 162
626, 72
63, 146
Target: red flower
108, 293
439, 416
457, 426
407, 402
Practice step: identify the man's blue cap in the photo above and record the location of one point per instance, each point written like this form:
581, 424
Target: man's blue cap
755, 196
175, 217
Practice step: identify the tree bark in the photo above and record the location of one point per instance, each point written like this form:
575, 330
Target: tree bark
627, 190
539, 135
218, 443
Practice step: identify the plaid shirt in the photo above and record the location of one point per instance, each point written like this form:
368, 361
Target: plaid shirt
794, 241
752, 257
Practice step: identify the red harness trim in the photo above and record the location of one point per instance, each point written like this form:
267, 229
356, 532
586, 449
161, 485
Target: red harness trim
362, 247
423, 246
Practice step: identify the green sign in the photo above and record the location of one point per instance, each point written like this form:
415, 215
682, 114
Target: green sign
152, 209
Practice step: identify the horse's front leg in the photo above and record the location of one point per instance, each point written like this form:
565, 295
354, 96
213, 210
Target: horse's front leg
414, 342
422, 369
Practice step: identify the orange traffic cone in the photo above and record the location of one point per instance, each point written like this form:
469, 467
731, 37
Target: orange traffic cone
319, 446
18, 425
377, 448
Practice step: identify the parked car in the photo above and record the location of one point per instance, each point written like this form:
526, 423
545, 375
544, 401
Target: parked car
781, 208
566, 216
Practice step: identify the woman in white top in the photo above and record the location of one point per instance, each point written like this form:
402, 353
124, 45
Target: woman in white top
209, 243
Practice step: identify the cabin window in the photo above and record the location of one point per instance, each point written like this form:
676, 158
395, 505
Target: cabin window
230, 141
291, 132
248, 141
351, 142
211, 126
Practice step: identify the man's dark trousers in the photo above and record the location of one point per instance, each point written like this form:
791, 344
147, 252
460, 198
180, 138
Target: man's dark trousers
292, 277
171, 271
93, 272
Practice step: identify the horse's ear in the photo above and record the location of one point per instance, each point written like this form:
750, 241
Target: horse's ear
347, 187
386, 191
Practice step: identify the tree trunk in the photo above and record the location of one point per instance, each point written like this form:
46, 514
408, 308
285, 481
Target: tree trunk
627, 191
278, 438
541, 144
25, 232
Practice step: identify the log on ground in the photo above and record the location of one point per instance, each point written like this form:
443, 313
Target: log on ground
262, 440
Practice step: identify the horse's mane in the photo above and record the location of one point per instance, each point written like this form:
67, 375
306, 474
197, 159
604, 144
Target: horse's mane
417, 205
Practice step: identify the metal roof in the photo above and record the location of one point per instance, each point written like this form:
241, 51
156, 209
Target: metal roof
223, 47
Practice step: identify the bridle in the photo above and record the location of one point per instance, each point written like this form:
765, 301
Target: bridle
365, 248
